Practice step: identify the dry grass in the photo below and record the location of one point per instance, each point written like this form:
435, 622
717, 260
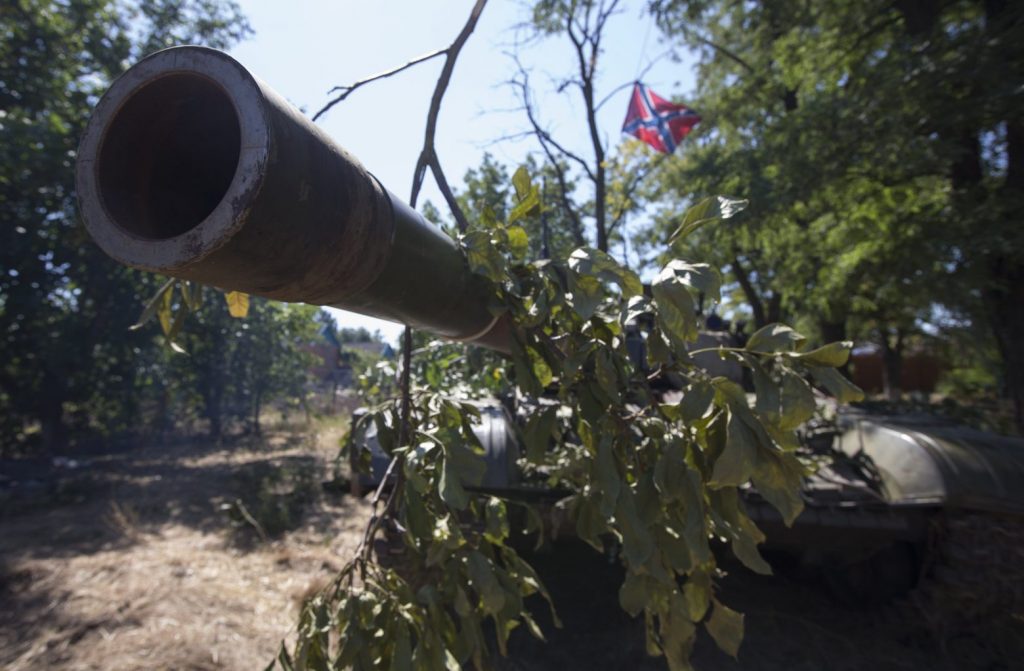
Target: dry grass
141, 569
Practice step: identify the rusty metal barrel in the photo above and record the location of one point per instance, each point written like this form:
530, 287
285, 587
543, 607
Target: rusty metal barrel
192, 167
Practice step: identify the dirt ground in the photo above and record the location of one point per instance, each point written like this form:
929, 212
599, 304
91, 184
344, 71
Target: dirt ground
140, 559
131, 561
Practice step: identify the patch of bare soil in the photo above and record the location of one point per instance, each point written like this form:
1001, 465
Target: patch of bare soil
135, 560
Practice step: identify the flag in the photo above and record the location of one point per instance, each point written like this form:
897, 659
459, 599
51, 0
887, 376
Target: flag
656, 121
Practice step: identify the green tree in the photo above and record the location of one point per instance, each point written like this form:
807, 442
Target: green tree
846, 124
65, 308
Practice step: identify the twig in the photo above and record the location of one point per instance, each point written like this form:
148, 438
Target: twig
348, 90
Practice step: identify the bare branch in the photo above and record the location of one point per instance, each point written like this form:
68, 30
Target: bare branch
347, 90
428, 156
446, 191
542, 135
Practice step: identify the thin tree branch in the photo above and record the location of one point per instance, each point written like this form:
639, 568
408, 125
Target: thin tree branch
446, 191
542, 135
428, 156
722, 50
349, 89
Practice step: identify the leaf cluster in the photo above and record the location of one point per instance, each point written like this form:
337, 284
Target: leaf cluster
653, 476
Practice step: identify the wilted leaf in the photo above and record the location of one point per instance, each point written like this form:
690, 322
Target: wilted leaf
154, 303
238, 303
163, 313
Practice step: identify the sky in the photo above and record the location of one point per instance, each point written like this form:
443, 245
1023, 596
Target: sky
303, 48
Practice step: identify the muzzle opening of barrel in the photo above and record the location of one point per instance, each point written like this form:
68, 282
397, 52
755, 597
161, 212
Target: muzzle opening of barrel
168, 156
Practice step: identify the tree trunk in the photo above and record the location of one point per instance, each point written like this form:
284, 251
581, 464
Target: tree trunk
1004, 302
54, 433
756, 304
892, 370
257, 406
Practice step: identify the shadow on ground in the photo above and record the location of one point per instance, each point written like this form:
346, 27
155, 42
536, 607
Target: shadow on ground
791, 624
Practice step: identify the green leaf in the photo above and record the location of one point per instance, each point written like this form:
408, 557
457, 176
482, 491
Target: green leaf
677, 634
698, 276
775, 338
483, 256
633, 593
833, 355
695, 401
496, 529
837, 385
450, 488
768, 399
518, 242
481, 573
417, 518
526, 206
677, 315
585, 294
697, 595
541, 369
637, 543
606, 476
586, 261
737, 463
726, 627
522, 182
538, 432
778, 477
741, 529
607, 377
401, 651
704, 211
797, 402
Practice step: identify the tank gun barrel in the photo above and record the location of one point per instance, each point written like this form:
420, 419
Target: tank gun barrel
192, 167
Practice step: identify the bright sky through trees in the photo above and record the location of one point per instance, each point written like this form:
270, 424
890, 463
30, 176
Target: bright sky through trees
304, 48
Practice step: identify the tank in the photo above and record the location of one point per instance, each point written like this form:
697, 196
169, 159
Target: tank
192, 167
